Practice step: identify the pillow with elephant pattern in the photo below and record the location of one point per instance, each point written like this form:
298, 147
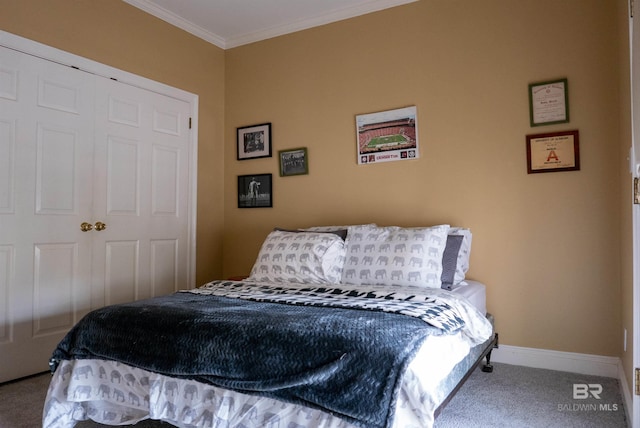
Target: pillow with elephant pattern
302, 257
394, 255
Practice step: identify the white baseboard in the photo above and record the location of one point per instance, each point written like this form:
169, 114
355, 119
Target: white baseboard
626, 393
595, 365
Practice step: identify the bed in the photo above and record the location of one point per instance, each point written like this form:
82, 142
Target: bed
358, 326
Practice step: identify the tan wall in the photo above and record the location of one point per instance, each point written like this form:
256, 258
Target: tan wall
547, 245
119, 35
626, 183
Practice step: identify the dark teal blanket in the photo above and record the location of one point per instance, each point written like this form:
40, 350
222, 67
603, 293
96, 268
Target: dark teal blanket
348, 362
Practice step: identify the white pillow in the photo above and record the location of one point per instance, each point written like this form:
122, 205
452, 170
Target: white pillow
462, 265
394, 255
302, 257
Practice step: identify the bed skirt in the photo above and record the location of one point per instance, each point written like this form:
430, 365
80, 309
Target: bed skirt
78, 392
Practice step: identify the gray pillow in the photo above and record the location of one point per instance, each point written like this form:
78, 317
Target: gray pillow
449, 260
342, 233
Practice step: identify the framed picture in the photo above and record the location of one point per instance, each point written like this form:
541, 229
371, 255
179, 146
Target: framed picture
293, 162
556, 151
549, 102
254, 141
255, 191
385, 136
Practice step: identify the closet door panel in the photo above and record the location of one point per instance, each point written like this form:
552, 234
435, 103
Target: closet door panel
121, 271
123, 176
165, 269
56, 151
46, 166
55, 271
165, 170
6, 273
142, 151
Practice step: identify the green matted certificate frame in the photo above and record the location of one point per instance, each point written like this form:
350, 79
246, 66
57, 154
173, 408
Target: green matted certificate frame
549, 102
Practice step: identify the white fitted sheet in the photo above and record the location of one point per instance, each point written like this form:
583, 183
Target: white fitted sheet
475, 292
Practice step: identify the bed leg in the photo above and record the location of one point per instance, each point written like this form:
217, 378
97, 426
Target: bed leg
488, 367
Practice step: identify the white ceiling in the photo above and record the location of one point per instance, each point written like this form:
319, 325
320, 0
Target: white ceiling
231, 23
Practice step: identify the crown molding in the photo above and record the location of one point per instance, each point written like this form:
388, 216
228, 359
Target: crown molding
275, 31
314, 21
177, 21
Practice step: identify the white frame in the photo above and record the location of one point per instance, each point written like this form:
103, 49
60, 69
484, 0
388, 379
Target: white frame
634, 166
386, 154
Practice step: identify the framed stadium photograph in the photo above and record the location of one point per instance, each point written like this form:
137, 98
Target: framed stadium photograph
293, 162
386, 136
255, 191
254, 141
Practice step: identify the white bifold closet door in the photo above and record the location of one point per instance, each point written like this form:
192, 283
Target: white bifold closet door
76, 148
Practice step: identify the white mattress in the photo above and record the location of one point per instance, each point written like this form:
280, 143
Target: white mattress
475, 292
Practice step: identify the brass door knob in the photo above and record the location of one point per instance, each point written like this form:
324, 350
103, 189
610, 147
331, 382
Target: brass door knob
100, 226
86, 227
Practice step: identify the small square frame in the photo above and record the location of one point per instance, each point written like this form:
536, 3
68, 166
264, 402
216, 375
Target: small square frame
293, 162
255, 191
254, 141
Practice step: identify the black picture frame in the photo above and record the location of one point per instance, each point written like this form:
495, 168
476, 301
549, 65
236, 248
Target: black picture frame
255, 191
293, 162
254, 141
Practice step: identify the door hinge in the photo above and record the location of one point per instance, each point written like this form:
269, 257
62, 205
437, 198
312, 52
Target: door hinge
637, 388
189, 123
631, 4
636, 190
